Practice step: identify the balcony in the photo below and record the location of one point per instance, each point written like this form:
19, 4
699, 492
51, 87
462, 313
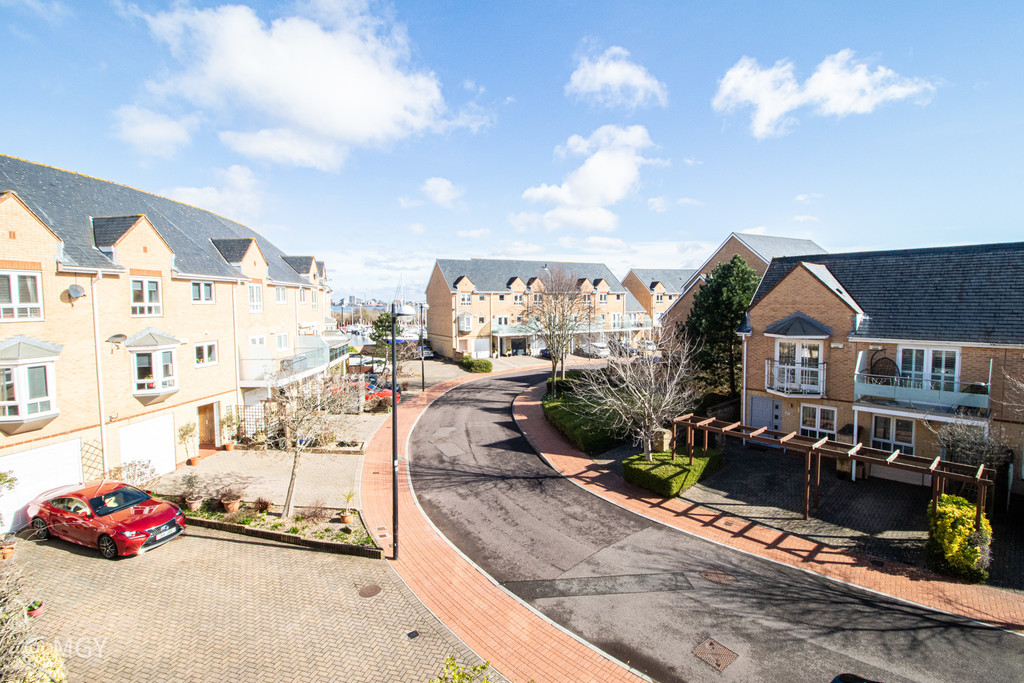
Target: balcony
947, 393
794, 379
520, 330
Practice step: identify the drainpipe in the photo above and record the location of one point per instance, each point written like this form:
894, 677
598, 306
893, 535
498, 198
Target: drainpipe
236, 349
99, 372
743, 390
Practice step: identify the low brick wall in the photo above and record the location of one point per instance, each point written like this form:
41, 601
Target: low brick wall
270, 535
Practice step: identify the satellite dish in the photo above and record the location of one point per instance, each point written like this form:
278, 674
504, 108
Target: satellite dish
118, 339
76, 291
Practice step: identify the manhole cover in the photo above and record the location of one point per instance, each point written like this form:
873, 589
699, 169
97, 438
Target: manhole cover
369, 591
715, 654
718, 576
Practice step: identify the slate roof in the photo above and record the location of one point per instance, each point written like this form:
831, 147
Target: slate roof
493, 275
300, 264
954, 294
798, 325
107, 231
66, 202
769, 246
233, 250
672, 279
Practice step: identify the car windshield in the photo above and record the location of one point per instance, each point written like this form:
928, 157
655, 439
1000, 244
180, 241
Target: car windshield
124, 497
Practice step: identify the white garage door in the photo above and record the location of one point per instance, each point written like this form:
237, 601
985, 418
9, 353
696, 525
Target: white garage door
151, 440
38, 470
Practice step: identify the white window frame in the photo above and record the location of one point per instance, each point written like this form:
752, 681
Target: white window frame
816, 432
587, 298
255, 298
481, 321
314, 293
483, 297
159, 382
258, 340
517, 299
23, 404
538, 298
891, 443
280, 295
16, 310
147, 308
465, 322
807, 376
206, 292
208, 351
501, 320
923, 378
602, 298
465, 299
282, 336
658, 298
302, 295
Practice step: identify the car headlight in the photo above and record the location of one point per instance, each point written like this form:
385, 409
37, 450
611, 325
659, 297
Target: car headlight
130, 534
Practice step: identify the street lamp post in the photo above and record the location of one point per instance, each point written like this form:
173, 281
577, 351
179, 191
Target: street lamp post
403, 311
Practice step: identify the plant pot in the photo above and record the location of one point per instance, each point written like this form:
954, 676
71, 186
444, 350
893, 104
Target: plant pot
229, 445
193, 461
231, 505
193, 504
6, 552
347, 518
37, 611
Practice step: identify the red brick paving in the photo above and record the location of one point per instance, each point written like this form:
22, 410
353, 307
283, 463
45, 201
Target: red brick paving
519, 644
984, 603
522, 645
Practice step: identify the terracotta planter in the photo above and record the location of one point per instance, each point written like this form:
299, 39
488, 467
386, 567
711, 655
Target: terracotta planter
229, 445
193, 504
37, 611
6, 552
193, 461
231, 505
347, 518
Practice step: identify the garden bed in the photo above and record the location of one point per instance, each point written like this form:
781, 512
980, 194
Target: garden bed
328, 535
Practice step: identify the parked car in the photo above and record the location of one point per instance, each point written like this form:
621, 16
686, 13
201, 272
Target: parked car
647, 346
426, 351
622, 349
112, 516
595, 349
544, 353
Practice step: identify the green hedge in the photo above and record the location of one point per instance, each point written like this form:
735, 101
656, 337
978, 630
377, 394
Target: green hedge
470, 364
584, 433
667, 477
567, 385
954, 547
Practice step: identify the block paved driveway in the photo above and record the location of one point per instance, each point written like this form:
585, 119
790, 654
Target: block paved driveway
216, 606
650, 595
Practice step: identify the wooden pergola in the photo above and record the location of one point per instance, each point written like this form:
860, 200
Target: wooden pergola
814, 450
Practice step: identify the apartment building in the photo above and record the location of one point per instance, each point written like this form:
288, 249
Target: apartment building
481, 307
756, 250
869, 347
125, 315
657, 289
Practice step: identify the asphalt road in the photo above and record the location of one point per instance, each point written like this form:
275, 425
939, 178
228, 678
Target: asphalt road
647, 594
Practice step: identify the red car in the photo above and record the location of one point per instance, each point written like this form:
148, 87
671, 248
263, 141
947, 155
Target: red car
116, 518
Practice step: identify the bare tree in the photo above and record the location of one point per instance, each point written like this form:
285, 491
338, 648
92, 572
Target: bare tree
558, 315
640, 395
967, 442
301, 414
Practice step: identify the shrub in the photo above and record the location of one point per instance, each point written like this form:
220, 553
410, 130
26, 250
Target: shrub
954, 547
567, 385
470, 364
41, 663
316, 512
261, 504
137, 473
667, 477
586, 434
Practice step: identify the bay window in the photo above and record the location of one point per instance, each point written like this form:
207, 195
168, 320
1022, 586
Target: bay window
153, 371
27, 389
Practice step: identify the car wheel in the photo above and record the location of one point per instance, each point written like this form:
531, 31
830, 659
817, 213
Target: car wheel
40, 529
107, 547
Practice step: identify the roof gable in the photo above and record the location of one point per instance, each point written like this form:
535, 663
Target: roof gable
303, 265
493, 275
673, 280
798, 325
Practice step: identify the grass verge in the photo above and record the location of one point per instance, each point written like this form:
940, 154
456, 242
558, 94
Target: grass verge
668, 477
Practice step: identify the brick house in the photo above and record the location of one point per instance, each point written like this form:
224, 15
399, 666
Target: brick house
125, 315
866, 347
657, 288
756, 250
479, 307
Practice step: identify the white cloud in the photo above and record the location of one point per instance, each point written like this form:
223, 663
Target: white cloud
417, 228
804, 218
613, 80
808, 197
408, 203
286, 146
690, 161
609, 174
52, 11
331, 73
689, 201
657, 204
151, 132
441, 191
239, 198
524, 221
841, 85
474, 234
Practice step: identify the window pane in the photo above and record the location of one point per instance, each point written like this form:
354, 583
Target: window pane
37, 382
27, 289
5, 289
168, 363
143, 366
137, 289
808, 417
211, 353
787, 353
208, 291
7, 384
881, 430
200, 355
196, 291
153, 288
828, 419
904, 431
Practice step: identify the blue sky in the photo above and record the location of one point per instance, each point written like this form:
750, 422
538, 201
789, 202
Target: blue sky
381, 136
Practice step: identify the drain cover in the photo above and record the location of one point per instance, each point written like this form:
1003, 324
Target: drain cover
715, 654
413, 634
369, 591
717, 576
